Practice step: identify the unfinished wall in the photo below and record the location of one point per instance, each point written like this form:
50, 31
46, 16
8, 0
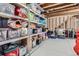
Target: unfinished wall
64, 21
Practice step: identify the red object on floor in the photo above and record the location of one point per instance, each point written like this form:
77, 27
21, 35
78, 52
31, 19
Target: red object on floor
76, 48
13, 53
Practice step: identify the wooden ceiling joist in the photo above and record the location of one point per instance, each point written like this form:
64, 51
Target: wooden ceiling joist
56, 6
63, 9
55, 9
64, 6
51, 5
75, 11
45, 4
41, 3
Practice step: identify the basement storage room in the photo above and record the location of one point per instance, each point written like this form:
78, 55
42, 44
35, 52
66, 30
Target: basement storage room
39, 29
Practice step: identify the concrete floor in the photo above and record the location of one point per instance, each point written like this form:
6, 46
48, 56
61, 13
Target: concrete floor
56, 47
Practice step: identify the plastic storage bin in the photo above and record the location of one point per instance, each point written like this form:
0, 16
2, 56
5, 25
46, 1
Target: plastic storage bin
42, 21
7, 8
13, 52
13, 33
3, 22
22, 51
39, 30
31, 16
32, 6
11, 49
20, 12
24, 32
30, 31
3, 35
24, 24
37, 18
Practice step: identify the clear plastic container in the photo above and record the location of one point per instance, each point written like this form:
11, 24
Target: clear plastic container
7, 8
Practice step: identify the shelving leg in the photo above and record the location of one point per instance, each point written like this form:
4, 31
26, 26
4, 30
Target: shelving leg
29, 44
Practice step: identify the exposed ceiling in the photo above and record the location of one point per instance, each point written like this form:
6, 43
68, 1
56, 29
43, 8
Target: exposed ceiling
54, 9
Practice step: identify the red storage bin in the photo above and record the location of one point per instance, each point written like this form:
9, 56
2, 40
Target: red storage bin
17, 10
14, 52
20, 12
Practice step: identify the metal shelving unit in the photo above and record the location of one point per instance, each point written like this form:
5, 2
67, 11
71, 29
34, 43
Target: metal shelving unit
23, 6
9, 15
2, 14
37, 34
17, 39
17, 17
5, 15
12, 40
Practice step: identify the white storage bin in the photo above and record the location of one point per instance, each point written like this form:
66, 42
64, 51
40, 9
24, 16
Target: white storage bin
32, 6
13, 34
39, 30
30, 31
38, 11
22, 51
23, 31
24, 24
3, 35
7, 8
